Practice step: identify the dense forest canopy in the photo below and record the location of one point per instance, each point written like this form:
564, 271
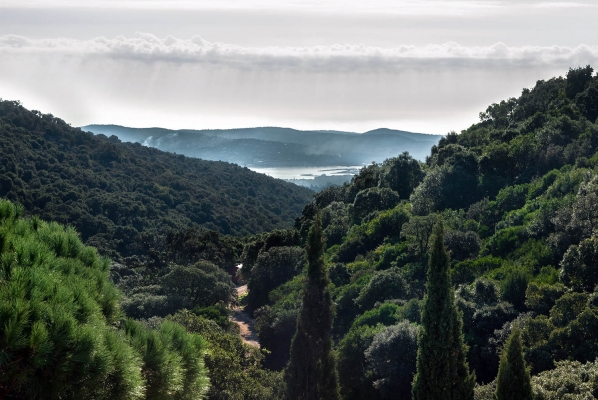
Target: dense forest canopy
517, 194
117, 193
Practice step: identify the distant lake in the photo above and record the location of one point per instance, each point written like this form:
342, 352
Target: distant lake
307, 172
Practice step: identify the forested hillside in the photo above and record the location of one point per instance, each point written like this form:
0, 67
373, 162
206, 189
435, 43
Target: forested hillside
513, 199
518, 196
116, 193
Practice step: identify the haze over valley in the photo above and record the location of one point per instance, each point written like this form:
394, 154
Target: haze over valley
308, 158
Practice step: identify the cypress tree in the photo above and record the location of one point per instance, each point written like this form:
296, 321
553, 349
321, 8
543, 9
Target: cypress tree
311, 373
513, 381
442, 371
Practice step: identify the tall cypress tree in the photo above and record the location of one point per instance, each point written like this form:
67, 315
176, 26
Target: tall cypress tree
442, 371
513, 381
311, 373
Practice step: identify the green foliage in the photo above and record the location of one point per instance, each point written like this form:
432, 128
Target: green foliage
568, 381
386, 314
372, 199
567, 308
452, 183
173, 287
199, 285
355, 383
418, 231
467, 271
462, 245
578, 267
59, 336
513, 380
172, 360
234, 368
218, 313
442, 371
384, 285
577, 80
277, 324
335, 222
514, 287
271, 269
365, 237
483, 314
402, 174
504, 241
391, 358
311, 372
541, 298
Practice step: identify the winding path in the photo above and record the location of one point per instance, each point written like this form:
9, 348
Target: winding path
245, 322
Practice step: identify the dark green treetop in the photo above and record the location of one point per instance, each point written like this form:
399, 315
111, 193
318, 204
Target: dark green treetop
513, 380
311, 373
442, 371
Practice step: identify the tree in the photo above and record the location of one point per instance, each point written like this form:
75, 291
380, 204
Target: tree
513, 380
271, 269
311, 373
442, 372
391, 357
577, 80
418, 230
373, 199
403, 175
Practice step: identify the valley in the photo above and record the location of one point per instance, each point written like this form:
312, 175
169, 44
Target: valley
120, 271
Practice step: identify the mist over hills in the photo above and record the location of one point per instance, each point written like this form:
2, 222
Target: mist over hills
278, 147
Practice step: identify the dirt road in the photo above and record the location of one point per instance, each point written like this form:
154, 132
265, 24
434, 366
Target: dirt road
245, 322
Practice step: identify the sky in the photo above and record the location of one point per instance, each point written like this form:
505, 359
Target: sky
416, 65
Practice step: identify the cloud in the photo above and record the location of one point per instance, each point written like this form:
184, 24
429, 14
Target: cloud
148, 48
562, 4
404, 7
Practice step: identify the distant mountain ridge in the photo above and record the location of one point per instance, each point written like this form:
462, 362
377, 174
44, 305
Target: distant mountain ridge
276, 147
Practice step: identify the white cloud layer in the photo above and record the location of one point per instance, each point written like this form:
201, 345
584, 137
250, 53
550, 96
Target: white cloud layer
148, 48
145, 80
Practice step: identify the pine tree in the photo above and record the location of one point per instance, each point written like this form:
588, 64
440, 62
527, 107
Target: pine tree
311, 373
513, 381
442, 371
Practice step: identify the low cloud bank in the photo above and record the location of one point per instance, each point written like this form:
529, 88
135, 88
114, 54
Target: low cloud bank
147, 48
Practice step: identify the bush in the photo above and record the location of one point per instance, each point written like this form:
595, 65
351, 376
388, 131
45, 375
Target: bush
384, 285
391, 359
514, 287
570, 380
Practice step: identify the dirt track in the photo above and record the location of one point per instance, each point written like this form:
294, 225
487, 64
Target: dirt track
245, 323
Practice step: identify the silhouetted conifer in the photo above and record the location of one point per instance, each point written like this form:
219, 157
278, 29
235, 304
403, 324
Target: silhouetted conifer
442, 371
311, 373
513, 381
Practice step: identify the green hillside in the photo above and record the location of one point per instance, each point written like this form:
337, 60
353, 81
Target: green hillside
518, 195
116, 193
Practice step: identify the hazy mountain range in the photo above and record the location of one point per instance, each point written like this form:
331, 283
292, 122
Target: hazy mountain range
278, 147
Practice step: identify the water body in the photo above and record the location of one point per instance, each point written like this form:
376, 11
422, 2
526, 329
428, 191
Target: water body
307, 173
